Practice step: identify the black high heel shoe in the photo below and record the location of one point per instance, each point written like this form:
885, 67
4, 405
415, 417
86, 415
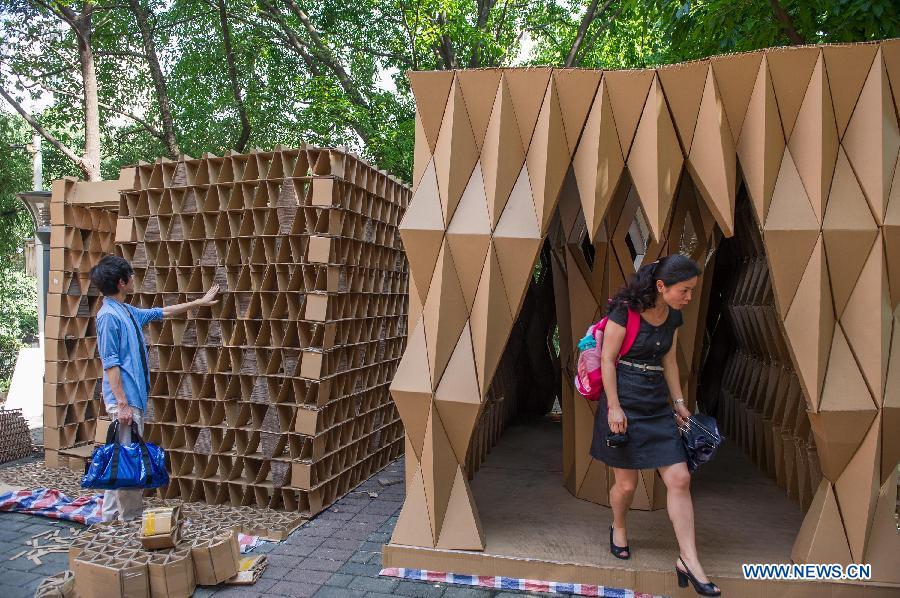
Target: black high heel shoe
618, 550
704, 589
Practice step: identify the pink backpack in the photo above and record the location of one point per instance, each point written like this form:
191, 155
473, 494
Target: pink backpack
589, 377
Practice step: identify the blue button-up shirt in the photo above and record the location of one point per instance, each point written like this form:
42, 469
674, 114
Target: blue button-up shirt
119, 345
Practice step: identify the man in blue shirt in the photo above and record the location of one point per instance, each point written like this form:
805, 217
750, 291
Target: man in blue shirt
126, 374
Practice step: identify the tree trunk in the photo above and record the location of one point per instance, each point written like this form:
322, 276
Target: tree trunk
244, 136
90, 162
159, 81
589, 15
787, 24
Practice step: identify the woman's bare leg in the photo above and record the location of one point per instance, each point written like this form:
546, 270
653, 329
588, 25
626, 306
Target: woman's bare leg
620, 497
681, 513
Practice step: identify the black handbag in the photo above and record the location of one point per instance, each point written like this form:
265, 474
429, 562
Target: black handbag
701, 438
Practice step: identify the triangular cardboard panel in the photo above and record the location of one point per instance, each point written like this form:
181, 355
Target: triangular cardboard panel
598, 162
462, 526
422, 231
857, 491
891, 234
872, 139
491, 320
847, 67
655, 160
457, 397
445, 315
502, 155
455, 154
583, 432
791, 232
867, 321
576, 89
431, 90
838, 434
683, 85
438, 459
411, 388
822, 538
713, 159
814, 141
791, 69
849, 230
526, 88
479, 88
845, 388
884, 541
421, 152
594, 486
469, 235
517, 240
890, 413
415, 523
809, 324
627, 94
547, 158
736, 75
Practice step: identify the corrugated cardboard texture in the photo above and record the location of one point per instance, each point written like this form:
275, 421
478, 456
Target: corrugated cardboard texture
312, 317
81, 233
653, 164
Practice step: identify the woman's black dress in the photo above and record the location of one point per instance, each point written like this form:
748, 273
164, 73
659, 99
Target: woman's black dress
653, 437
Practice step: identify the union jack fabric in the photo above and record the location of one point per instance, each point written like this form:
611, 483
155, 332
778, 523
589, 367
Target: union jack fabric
509, 583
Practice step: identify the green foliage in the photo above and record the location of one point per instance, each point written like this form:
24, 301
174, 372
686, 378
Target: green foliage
18, 318
18, 294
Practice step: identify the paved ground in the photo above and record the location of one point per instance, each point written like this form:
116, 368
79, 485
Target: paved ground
336, 554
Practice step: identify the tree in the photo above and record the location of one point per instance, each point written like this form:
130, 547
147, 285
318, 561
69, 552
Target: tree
53, 13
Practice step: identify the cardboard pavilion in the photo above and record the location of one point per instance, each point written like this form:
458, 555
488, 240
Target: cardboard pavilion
278, 395
778, 171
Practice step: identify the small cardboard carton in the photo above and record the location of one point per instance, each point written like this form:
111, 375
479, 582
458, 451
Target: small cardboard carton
172, 574
111, 577
160, 527
216, 560
249, 571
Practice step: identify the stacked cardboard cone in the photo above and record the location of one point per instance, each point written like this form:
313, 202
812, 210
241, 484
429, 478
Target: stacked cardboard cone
276, 396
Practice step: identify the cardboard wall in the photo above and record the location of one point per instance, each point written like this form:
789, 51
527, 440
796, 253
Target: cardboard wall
505, 156
761, 405
277, 396
81, 233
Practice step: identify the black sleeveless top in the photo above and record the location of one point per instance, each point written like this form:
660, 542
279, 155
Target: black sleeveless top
652, 342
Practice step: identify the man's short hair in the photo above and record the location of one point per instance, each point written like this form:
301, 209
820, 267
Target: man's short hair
108, 272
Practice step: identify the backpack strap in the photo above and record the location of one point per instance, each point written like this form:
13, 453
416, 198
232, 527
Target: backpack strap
632, 327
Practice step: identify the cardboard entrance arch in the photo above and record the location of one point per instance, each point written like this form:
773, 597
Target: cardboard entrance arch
505, 158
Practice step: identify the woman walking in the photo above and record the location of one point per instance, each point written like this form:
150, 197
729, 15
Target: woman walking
634, 403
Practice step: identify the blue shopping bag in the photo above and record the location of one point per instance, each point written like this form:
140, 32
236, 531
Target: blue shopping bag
115, 466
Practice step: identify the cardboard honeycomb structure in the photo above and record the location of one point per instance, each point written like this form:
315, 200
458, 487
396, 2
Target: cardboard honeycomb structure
83, 225
507, 158
15, 439
277, 396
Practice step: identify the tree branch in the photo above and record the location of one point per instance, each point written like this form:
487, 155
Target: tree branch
150, 128
589, 15
232, 75
141, 15
787, 24
43, 132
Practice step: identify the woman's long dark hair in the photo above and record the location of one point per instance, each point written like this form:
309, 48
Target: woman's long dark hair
639, 293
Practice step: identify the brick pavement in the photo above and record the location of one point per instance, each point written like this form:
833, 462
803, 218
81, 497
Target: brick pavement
337, 554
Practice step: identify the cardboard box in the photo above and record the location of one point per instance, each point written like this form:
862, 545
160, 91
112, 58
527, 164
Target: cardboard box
172, 574
160, 527
216, 560
111, 577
